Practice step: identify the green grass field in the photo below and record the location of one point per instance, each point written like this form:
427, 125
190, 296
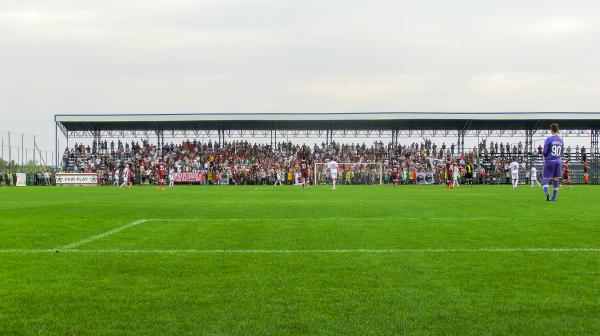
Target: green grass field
361, 260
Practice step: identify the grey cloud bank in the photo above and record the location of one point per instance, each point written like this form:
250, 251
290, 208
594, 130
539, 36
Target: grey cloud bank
294, 56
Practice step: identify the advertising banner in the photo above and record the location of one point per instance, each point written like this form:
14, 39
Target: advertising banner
21, 180
76, 179
425, 178
435, 162
186, 177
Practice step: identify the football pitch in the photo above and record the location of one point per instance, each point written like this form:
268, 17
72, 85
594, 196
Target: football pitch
262, 260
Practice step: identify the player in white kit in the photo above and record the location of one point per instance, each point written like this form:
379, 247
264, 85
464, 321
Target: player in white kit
514, 170
333, 169
171, 177
533, 177
279, 177
116, 177
455, 172
125, 177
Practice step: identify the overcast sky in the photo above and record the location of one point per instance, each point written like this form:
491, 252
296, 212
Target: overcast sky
119, 56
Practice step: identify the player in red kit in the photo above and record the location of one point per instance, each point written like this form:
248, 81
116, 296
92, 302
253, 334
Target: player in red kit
304, 172
449, 173
162, 172
130, 179
395, 172
566, 178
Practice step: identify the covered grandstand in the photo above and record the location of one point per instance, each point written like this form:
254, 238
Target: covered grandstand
391, 125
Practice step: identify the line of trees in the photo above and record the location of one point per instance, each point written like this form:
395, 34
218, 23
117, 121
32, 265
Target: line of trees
15, 167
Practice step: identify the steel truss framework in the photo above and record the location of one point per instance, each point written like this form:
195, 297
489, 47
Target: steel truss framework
394, 135
378, 125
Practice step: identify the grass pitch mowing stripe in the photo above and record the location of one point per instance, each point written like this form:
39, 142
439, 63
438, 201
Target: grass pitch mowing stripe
255, 262
313, 251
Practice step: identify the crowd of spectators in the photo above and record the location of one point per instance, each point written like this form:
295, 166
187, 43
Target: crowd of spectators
241, 162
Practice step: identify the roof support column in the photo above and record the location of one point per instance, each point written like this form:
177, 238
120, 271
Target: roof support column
221, 137
97, 139
161, 140
529, 150
395, 137
594, 152
460, 146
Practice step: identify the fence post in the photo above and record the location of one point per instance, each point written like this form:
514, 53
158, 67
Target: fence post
9, 154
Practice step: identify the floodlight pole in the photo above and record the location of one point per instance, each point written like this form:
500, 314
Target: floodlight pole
9, 154
55, 144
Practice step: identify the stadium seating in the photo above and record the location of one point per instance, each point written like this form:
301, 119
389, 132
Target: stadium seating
250, 163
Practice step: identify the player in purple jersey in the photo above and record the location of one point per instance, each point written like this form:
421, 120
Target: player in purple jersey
553, 148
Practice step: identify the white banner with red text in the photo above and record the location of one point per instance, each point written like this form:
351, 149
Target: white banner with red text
187, 177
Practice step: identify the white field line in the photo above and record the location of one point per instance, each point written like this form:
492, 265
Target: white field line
102, 235
327, 219
142, 221
309, 251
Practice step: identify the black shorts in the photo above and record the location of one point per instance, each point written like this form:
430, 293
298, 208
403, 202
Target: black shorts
469, 175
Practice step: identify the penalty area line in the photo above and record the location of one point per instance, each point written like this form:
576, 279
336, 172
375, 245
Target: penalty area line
101, 235
301, 251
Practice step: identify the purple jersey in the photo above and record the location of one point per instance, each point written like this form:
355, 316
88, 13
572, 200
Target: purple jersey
553, 148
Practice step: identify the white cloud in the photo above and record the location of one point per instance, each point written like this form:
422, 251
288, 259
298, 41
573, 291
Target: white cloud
360, 88
508, 83
558, 26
